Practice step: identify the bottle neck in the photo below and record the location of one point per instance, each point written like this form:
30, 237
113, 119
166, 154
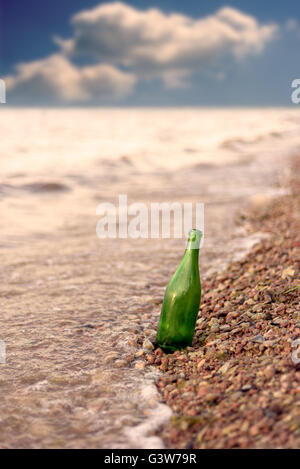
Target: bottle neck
194, 240
191, 255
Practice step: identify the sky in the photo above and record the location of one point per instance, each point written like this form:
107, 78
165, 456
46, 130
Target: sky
145, 53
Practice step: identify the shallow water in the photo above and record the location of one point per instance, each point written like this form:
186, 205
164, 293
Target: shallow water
73, 307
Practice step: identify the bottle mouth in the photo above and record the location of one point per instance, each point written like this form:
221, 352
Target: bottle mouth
194, 239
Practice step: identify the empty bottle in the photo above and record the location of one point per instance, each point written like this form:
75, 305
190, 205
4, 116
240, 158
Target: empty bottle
181, 301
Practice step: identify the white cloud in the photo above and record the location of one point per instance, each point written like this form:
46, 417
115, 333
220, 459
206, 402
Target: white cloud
151, 41
57, 79
146, 43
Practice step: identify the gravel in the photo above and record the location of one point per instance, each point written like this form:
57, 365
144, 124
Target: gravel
238, 386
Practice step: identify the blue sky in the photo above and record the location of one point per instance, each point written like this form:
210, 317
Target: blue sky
246, 54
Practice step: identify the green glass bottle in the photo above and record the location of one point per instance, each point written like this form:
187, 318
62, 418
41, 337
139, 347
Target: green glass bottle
182, 299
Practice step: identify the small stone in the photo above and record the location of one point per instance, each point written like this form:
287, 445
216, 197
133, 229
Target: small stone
289, 272
211, 397
225, 328
140, 365
225, 368
120, 363
269, 372
213, 322
280, 308
150, 359
201, 363
258, 338
232, 315
250, 302
200, 321
58, 379
111, 358
147, 345
246, 388
254, 430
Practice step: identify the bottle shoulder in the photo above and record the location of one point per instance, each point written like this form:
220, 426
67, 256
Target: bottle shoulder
180, 284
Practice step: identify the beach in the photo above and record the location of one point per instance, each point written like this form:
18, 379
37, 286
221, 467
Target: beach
79, 314
238, 386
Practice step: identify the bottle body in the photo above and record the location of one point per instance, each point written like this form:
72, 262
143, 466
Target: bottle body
181, 301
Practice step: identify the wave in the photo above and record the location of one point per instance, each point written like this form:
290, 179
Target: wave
45, 186
238, 143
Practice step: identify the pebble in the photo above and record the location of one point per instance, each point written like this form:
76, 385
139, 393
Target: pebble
120, 363
258, 338
140, 365
147, 345
111, 358
224, 368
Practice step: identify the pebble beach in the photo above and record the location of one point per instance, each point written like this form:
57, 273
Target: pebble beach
238, 386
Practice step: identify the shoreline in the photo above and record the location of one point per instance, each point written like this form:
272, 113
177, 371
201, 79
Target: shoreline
237, 386
60, 294
78, 313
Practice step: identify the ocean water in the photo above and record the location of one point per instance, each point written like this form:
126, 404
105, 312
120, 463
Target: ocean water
58, 279
83, 155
